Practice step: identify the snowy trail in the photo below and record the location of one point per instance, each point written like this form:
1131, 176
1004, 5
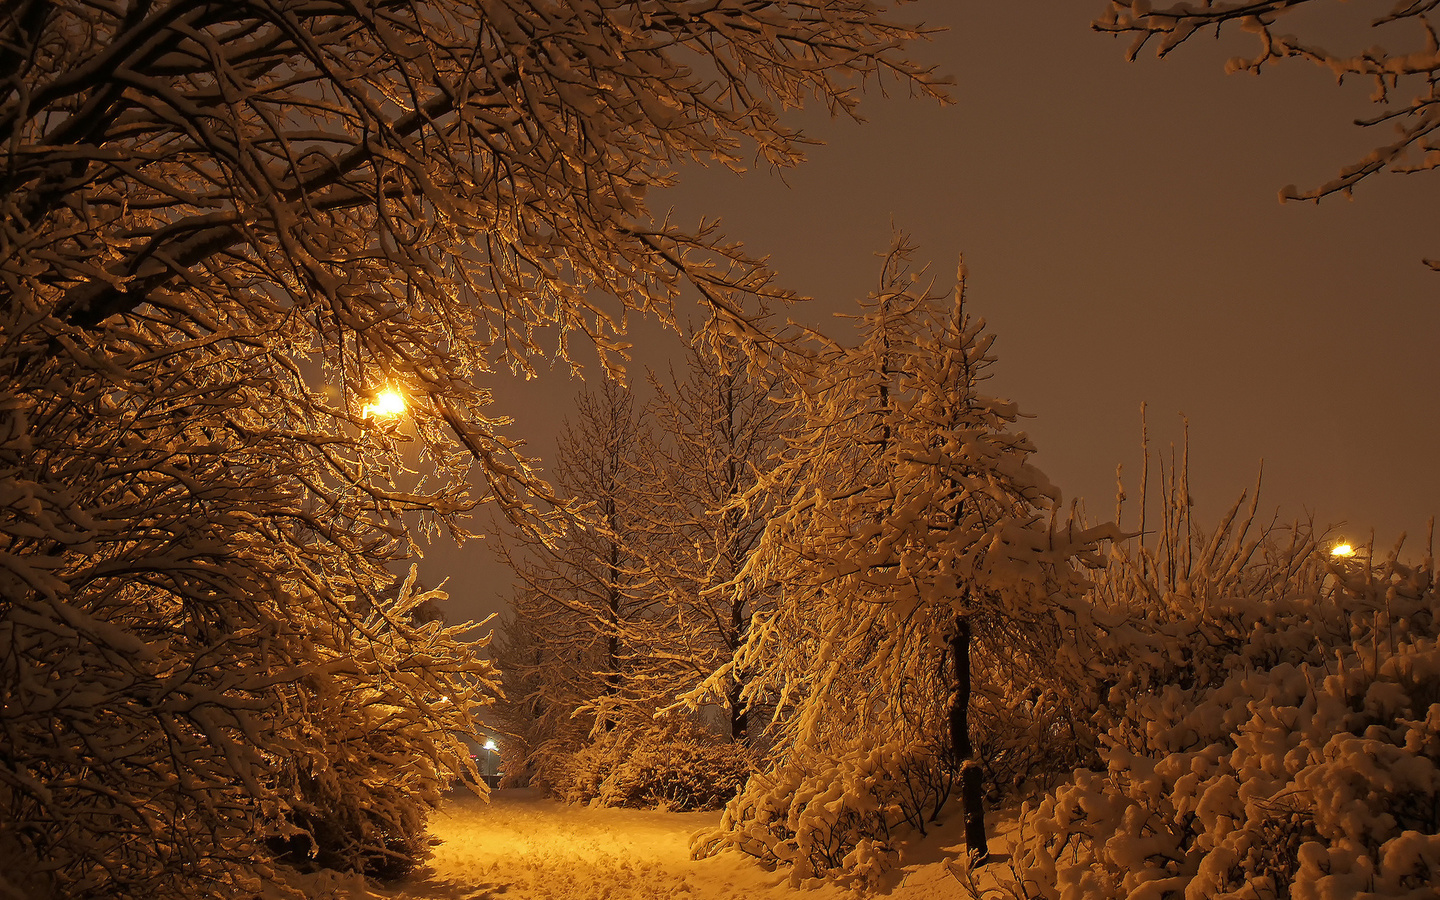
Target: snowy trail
521, 847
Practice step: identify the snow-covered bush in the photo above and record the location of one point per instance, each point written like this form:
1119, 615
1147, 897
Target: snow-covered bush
392, 709
1273, 729
676, 766
836, 815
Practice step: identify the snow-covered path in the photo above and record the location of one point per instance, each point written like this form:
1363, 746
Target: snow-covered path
521, 847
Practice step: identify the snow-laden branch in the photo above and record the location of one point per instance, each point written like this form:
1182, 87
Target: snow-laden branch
1405, 80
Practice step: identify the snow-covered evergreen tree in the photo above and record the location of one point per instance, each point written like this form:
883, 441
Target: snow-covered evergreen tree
585, 599
634, 607
908, 508
548, 655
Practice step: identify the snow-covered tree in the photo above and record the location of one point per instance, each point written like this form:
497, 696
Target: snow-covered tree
910, 515
204, 649
717, 427
632, 608
547, 655
585, 595
224, 228
1404, 76
480, 167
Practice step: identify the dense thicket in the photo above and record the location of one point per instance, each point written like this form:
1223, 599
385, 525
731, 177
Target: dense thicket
199, 654
1269, 718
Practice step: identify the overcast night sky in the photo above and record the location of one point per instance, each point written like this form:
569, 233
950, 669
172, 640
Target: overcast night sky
1124, 241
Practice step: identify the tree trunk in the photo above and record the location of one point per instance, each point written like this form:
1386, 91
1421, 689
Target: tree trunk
973, 800
739, 709
971, 795
739, 713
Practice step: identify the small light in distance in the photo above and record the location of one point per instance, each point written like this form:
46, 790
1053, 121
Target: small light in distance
490, 744
1342, 551
388, 402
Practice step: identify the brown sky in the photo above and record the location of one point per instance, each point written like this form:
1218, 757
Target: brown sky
1124, 240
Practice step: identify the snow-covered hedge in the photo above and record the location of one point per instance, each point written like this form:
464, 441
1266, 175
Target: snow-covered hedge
1275, 732
674, 766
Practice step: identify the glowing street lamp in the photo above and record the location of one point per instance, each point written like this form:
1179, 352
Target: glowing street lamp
1342, 551
387, 404
489, 773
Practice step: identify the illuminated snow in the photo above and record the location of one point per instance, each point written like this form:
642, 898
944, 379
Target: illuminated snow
522, 847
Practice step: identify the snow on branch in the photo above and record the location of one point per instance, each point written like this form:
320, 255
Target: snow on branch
1405, 80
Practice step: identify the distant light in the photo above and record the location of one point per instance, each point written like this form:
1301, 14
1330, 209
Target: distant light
388, 402
490, 745
1342, 551
444, 699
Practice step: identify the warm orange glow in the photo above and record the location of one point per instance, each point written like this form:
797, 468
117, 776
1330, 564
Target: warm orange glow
388, 402
1343, 551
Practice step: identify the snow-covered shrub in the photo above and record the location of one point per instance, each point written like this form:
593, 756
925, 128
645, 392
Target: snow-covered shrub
351, 806
838, 814
1273, 730
677, 766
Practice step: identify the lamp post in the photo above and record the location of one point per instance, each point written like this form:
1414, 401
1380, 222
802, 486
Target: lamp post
492, 777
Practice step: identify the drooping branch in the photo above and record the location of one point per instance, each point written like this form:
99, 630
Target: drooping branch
1416, 117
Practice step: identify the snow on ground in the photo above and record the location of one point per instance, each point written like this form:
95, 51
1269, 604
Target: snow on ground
522, 847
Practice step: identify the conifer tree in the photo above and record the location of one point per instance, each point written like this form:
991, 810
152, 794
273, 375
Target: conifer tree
585, 597
908, 513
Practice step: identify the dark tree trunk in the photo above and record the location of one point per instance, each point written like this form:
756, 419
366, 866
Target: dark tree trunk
960, 708
739, 713
739, 709
971, 795
972, 798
